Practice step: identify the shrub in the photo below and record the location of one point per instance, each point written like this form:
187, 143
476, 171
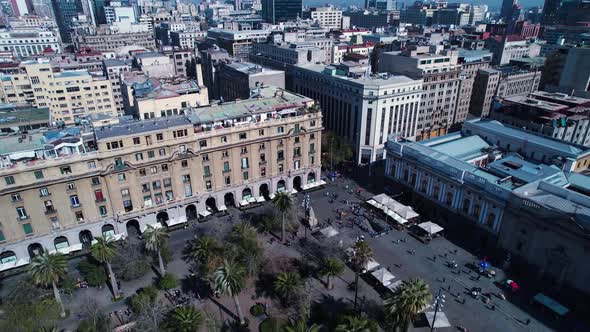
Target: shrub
145, 296
133, 263
272, 325
168, 281
257, 310
93, 272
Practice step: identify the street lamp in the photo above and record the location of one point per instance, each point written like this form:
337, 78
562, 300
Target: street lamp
439, 300
306, 204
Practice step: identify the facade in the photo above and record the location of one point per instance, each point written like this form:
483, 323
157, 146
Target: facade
368, 19
502, 81
469, 182
241, 80
29, 42
440, 73
211, 61
112, 70
237, 43
108, 41
275, 11
150, 98
471, 61
327, 17
339, 51
554, 115
186, 39
70, 95
510, 47
385, 5
164, 171
361, 108
65, 12
155, 64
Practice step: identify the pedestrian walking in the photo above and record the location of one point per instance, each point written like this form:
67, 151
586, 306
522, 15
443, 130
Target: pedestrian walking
445, 255
493, 307
463, 301
444, 279
527, 321
478, 277
449, 288
413, 251
434, 258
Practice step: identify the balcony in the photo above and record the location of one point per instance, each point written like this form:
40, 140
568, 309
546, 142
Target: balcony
50, 212
227, 170
76, 206
101, 200
23, 218
262, 162
208, 175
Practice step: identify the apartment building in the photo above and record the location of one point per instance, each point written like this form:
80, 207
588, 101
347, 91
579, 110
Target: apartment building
107, 41
159, 172
179, 57
339, 51
471, 61
149, 98
502, 81
363, 109
155, 64
440, 73
211, 61
112, 70
186, 39
327, 17
240, 80
237, 43
29, 41
509, 47
70, 95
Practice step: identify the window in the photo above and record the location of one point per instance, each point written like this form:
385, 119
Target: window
280, 155
151, 154
147, 201
244, 150
169, 195
125, 192
145, 188
297, 164
142, 172
244, 163
260, 132
297, 152
262, 158
164, 167
208, 185
280, 129
95, 181
27, 228
227, 180
225, 154
180, 133
203, 144
9, 180
102, 210
21, 213
74, 201
156, 185
297, 128
159, 137
128, 205
261, 146
16, 197
91, 165
139, 156
243, 136
79, 216
223, 139
118, 162
297, 140
263, 171
312, 136
44, 192
99, 196
205, 157
245, 175
162, 152
312, 148
38, 175
226, 166
65, 170
121, 177
136, 140
281, 168
184, 163
206, 171
186, 178
70, 186
167, 182
312, 123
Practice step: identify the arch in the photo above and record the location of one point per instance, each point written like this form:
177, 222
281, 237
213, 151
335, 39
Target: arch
34, 249
61, 242
162, 218
229, 199
297, 183
133, 227
311, 177
7, 257
281, 186
85, 237
108, 230
264, 191
211, 204
191, 212
246, 193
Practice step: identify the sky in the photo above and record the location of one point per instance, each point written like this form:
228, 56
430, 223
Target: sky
493, 4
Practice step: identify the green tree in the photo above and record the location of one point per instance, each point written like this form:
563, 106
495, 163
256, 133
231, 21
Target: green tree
104, 250
185, 319
48, 269
229, 279
246, 247
361, 255
331, 268
92, 271
335, 149
155, 239
48, 329
30, 316
144, 297
301, 326
410, 298
287, 285
168, 281
282, 201
357, 324
207, 252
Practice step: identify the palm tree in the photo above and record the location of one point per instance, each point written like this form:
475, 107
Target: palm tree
286, 285
361, 255
155, 238
243, 232
357, 324
411, 297
229, 279
282, 201
301, 326
47, 269
331, 268
104, 250
186, 319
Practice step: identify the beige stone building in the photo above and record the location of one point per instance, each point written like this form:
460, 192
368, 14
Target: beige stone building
161, 171
69, 94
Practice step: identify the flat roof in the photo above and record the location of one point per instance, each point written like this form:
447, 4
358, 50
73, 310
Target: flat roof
11, 114
374, 81
464, 148
522, 170
14, 143
140, 126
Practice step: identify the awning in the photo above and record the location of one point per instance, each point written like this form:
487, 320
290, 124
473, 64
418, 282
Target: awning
306, 186
15, 263
430, 227
322, 182
329, 232
551, 304
272, 196
76, 247
371, 265
222, 208
251, 199
204, 213
394, 285
244, 202
260, 199
383, 276
441, 319
294, 191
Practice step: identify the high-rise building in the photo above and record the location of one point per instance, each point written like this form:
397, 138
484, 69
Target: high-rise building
327, 17
65, 12
275, 11
551, 12
381, 4
507, 9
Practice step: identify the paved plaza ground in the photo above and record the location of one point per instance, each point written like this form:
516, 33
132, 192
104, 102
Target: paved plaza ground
428, 262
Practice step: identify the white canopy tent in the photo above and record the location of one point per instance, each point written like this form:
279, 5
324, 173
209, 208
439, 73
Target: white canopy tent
392, 208
204, 213
430, 227
383, 276
441, 319
223, 208
329, 232
371, 265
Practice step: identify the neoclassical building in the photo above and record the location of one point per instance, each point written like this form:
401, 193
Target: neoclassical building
61, 190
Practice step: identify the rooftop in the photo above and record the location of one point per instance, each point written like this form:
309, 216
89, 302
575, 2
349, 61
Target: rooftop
12, 114
141, 126
367, 80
